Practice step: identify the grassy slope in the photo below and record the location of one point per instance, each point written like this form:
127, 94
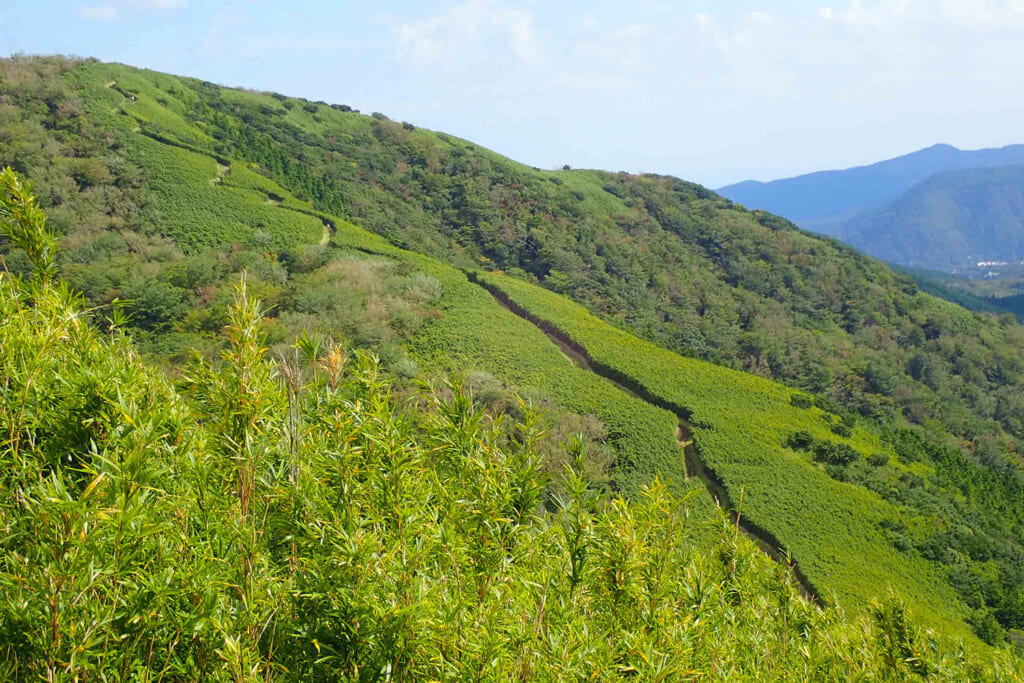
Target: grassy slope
665, 259
475, 333
200, 208
839, 547
740, 423
197, 209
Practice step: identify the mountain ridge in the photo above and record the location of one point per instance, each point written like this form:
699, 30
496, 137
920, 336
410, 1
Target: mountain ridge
950, 219
821, 201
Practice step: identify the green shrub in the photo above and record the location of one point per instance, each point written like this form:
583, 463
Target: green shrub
841, 429
800, 441
801, 401
878, 459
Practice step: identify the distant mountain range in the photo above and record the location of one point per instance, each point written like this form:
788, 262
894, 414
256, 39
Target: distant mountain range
935, 208
949, 219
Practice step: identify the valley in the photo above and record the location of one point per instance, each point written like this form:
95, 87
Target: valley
940, 208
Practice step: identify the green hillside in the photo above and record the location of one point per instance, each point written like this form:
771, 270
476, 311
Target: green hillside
666, 259
900, 473
297, 520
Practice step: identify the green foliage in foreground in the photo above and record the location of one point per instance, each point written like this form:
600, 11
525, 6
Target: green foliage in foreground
294, 521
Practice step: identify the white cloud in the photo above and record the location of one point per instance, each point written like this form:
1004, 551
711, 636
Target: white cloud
519, 27
117, 9
769, 76
704, 22
622, 47
761, 18
479, 29
888, 41
894, 14
98, 12
595, 82
733, 36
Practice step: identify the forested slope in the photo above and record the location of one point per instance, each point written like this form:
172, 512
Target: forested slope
667, 259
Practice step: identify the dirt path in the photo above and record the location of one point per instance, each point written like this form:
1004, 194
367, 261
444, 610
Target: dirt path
329, 226
695, 467
119, 108
224, 170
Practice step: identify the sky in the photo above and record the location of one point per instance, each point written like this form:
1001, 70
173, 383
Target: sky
710, 91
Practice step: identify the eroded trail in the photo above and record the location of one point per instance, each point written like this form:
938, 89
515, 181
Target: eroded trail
224, 171
695, 466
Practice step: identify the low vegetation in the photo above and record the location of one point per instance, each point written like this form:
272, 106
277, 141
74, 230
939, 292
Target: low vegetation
164, 190
294, 520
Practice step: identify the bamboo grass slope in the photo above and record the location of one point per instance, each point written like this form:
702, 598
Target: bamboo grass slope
740, 423
294, 520
695, 468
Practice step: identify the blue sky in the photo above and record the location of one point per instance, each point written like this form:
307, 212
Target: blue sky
709, 91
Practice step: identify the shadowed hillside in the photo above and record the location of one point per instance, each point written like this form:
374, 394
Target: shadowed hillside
951, 219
